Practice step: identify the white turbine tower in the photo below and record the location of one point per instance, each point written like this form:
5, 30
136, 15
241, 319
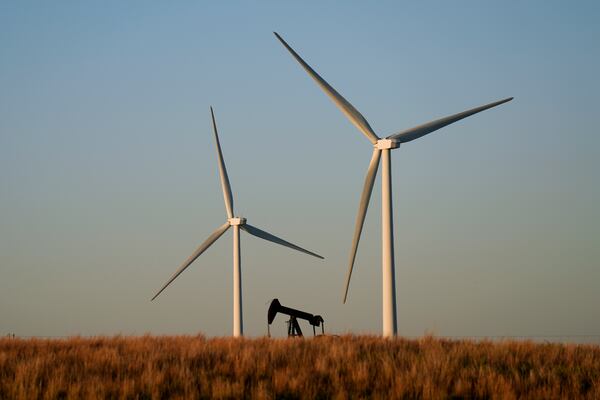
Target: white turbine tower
237, 223
381, 149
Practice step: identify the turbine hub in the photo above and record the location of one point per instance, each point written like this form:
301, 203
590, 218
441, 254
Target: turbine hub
386, 144
236, 221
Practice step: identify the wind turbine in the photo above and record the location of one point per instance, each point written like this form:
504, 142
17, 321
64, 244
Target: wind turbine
237, 223
381, 150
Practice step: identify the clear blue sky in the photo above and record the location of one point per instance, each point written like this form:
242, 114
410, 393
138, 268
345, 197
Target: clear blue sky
108, 174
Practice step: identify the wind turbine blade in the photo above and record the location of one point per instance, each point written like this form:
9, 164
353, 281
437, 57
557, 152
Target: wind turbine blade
362, 212
422, 130
223, 172
207, 243
272, 238
348, 109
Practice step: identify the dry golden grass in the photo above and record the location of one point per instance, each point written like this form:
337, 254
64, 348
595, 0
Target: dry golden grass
328, 367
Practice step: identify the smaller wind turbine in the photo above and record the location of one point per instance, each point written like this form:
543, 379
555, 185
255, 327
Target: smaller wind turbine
236, 223
381, 150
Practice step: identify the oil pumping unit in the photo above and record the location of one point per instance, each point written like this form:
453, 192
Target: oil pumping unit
293, 326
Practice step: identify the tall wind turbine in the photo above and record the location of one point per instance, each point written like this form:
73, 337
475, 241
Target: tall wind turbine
381, 150
237, 223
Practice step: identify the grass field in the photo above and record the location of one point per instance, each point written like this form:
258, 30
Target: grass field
327, 367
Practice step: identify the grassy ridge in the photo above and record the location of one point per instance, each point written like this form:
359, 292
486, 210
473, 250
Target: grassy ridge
326, 367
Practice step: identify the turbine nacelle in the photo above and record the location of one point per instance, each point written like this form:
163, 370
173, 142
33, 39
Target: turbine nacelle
386, 144
236, 221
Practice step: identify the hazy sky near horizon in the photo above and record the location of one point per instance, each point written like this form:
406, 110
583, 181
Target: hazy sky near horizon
108, 173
